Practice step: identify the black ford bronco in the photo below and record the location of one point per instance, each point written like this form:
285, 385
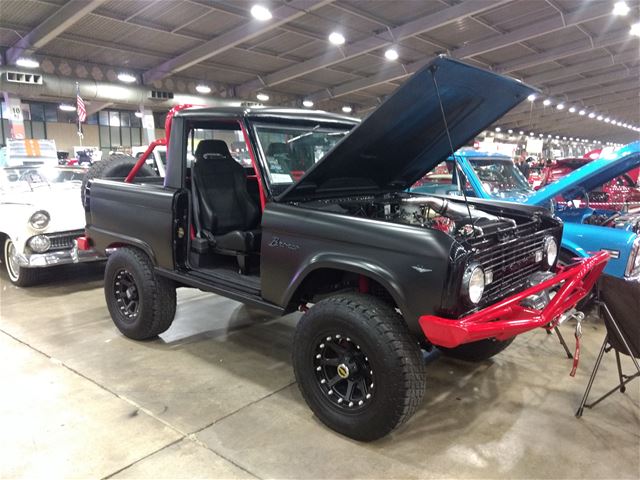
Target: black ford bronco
322, 220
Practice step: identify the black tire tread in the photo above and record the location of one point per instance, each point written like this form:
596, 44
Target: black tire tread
162, 289
391, 329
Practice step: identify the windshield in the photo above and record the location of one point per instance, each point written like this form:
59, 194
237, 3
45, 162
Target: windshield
500, 178
290, 150
30, 177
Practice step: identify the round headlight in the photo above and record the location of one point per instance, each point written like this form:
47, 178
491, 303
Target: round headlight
40, 220
550, 251
473, 283
39, 243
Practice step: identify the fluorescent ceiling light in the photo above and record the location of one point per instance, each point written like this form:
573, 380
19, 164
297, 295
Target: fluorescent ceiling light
263, 97
391, 54
260, 12
498, 129
65, 107
521, 132
27, 63
307, 103
560, 106
621, 8
531, 97
592, 115
599, 117
635, 29
546, 102
336, 38
582, 112
509, 131
203, 88
607, 120
572, 110
139, 114
126, 77
347, 109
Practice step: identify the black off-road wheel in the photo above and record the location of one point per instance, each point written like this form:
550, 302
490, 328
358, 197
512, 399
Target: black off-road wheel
117, 166
477, 351
19, 276
142, 305
357, 365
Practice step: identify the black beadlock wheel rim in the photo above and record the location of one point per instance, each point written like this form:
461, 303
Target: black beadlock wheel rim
126, 294
343, 372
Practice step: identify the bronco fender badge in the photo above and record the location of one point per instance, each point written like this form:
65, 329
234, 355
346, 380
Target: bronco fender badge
276, 242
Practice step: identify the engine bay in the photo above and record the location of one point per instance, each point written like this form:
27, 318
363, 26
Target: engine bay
629, 221
454, 218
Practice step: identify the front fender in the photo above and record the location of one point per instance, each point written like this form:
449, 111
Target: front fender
351, 264
587, 239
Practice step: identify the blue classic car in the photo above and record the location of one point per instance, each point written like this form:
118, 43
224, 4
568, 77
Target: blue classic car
586, 229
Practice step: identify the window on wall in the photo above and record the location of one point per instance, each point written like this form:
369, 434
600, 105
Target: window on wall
119, 129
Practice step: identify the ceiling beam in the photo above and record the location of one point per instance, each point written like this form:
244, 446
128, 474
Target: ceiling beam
382, 39
396, 71
63, 18
233, 37
595, 80
564, 51
612, 109
539, 111
582, 67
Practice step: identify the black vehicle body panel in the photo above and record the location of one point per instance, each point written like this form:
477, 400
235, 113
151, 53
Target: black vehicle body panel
295, 245
138, 214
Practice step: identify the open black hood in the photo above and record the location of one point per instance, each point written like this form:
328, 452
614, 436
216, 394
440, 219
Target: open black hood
405, 137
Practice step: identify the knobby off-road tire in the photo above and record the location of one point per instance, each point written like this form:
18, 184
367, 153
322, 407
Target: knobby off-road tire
19, 276
142, 305
477, 351
384, 365
117, 166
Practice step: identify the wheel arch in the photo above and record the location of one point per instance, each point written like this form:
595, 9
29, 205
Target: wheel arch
325, 268
135, 243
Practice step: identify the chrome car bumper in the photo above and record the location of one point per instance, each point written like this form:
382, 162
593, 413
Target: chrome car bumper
59, 257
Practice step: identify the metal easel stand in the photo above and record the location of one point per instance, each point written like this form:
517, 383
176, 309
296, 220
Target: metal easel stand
606, 347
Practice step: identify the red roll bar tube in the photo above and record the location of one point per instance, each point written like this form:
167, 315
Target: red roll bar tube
162, 141
508, 318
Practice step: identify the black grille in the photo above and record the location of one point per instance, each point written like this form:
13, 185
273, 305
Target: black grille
512, 260
63, 240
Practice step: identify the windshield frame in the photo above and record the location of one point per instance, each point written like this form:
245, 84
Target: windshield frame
306, 127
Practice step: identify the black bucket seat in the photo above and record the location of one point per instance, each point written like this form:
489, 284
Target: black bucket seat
227, 214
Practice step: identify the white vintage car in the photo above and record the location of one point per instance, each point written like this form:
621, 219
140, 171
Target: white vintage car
41, 215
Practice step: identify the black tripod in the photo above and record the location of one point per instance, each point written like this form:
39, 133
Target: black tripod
614, 340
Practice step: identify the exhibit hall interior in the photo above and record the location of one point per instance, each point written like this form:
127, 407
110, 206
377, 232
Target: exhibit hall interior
320, 239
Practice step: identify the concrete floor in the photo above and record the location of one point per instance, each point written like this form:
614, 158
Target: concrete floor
214, 397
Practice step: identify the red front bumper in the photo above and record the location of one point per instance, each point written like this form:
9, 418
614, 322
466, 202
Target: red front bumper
508, 318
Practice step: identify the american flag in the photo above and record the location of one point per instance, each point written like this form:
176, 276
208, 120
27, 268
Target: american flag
81, 109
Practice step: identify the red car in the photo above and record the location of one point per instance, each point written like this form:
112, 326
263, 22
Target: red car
621, 192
